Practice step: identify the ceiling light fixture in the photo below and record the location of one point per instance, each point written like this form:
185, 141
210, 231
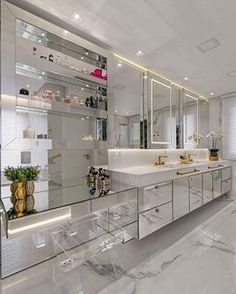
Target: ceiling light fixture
82, 89
145, 77
208, 45
42, 34
232, 74
186, 78
139, 53
82, 57
86, 53
40, 41
119, 64
76, 16
27, 86
43, 73
212, 94
116, 111
87, 86
66, 32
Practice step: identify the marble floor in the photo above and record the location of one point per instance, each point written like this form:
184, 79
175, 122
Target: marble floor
196, 254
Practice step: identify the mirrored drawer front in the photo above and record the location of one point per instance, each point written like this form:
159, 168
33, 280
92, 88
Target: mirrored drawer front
155, 195
154, 219
226, 173
226, 186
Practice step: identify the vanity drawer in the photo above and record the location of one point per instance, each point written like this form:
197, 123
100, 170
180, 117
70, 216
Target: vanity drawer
154, 219
226, 173
155, 195
226, 186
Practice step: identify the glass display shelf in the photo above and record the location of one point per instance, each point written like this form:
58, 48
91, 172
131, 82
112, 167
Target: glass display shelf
52, 41
39, 106
47, 75
64, 195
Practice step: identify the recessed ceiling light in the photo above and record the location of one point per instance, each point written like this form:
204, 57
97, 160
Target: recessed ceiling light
208, 45
76, 16
82, 57
119, 64
212, 94
87, 117
43, 73
27, 86
82, 118
40, 41
42, 34
87, 86
127, 113
82, 89
145, 77
66, 32
139, 53
86, 53
40, 77
186, 78
232, 74
116, 111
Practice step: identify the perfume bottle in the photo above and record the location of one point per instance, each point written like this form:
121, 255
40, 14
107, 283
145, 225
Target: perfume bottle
50, 57
35, 51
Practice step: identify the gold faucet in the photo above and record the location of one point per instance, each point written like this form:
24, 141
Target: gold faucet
186, 157
159, 161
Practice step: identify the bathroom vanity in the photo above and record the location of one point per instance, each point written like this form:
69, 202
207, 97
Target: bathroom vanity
63, 104
170, 191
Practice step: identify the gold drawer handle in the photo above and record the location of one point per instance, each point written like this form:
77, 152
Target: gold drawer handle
189, 172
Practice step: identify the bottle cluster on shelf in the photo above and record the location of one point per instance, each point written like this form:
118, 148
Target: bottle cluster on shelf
64, 60
96, 101
98, 180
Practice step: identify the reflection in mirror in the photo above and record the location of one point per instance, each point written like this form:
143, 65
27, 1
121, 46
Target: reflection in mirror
162, 115
190, 119
203, 124
128, 97
57, 111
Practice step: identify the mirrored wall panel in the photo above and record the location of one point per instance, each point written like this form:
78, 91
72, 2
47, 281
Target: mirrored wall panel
162, 110
190, 121
128, 98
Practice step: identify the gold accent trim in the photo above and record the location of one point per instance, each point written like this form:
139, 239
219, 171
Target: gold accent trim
142, 68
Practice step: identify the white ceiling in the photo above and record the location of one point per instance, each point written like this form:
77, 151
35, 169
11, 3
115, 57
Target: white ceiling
167, 31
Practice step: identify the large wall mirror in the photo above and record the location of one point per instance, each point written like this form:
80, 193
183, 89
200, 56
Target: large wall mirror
190, 120
162, 113
128, 95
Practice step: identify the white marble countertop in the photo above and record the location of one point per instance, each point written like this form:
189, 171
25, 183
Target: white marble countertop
149, 174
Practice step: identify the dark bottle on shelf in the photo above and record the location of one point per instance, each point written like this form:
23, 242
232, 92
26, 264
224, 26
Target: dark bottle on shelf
50, 57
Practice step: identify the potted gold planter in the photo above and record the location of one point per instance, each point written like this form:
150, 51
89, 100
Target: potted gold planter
213, 155
20, 199
30, 201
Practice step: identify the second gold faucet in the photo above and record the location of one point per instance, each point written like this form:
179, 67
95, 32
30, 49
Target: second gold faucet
160, 160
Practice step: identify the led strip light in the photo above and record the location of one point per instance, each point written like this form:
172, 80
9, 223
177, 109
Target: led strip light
153, 72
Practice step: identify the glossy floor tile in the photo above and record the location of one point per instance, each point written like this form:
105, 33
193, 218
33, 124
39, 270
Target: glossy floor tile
196, 254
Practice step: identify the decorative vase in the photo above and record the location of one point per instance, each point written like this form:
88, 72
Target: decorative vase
13, 187
20, 199
30, 201
213, 155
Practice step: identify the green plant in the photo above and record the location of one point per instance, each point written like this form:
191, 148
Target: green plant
14, 174
22, 173
31, 173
